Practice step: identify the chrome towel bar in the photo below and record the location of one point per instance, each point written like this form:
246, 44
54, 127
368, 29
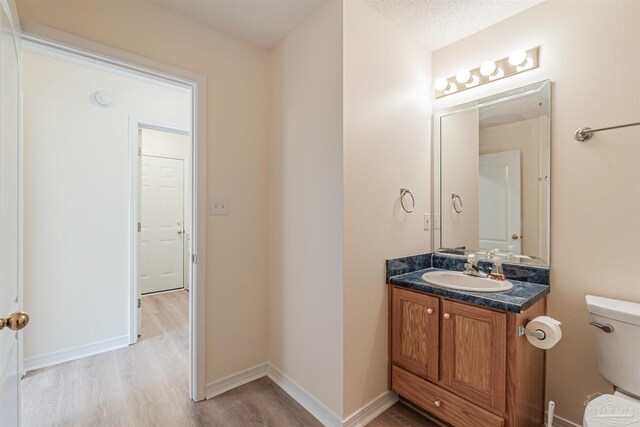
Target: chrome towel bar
585, 134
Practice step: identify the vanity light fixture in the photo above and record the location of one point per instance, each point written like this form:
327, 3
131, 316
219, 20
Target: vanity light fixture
518, 58
463, 76
518, 61
488, 68
441, 84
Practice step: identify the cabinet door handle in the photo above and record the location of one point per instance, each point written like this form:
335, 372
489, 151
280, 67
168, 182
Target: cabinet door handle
429, 310
446, 315
437, 403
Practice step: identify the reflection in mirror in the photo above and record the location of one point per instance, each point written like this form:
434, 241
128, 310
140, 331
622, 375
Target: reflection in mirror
491, 175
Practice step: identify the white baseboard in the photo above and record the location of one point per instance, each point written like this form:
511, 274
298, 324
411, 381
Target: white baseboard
325, 415
371, 410
61, 356
316, 408
236, 380
561, 422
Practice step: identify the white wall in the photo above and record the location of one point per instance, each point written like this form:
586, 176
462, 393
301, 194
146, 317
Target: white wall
386, 147
76, 227
590, 52
306, 208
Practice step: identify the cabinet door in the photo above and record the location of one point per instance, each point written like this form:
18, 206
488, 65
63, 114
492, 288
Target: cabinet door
474, 353
415, 332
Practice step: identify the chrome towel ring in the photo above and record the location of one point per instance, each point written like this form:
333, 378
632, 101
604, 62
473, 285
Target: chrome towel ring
454, 198
404, 192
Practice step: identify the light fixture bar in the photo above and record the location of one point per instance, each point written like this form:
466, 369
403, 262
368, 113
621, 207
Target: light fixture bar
518, 62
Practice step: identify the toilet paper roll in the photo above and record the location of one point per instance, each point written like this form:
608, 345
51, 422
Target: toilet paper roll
551, 329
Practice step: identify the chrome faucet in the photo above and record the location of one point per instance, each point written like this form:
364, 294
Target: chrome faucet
471, 267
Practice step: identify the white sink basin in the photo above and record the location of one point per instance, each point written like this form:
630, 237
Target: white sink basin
462, 282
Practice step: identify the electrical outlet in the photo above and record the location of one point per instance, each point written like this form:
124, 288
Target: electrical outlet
219, 206
427, 222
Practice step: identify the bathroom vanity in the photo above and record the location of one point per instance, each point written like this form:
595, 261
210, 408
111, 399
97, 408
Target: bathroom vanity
456, 343
458, 355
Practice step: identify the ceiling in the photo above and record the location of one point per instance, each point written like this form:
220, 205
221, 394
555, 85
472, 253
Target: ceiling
260, 22
437, 23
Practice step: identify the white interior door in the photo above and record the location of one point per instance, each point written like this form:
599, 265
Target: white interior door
10, 221
499, 189
162, 225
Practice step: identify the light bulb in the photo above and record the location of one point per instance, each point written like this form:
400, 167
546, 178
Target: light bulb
487, 68
463, 76
518, 57
441, 84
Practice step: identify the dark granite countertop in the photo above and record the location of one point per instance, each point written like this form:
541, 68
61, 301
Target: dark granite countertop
517, 299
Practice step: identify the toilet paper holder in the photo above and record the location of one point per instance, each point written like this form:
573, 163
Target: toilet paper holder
537, 333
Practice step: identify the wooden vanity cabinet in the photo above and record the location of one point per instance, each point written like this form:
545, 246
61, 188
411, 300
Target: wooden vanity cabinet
474, 353
465, 364
416, 333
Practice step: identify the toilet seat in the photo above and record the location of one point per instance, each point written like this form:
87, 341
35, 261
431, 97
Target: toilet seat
612, 410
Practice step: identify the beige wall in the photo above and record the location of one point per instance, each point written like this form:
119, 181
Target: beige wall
386, 134
237, 137
590, 52
306, 208
460, 174
76, 176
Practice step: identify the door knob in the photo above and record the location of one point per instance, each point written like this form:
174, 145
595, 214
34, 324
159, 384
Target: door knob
16, 321
179, 231
429, 310
446, 315
437, 403
514, 237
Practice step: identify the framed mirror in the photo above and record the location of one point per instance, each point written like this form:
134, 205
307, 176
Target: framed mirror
491, 183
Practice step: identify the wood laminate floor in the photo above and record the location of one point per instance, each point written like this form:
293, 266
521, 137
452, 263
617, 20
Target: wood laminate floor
147, 385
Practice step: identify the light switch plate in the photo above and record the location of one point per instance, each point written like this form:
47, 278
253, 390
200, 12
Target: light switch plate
219, 206
427, 222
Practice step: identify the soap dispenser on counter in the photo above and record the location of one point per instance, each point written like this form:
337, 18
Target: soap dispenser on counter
497, 273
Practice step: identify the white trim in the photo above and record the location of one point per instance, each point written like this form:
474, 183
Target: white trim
371, 410
560, 422
236, 380
325, 415
120, 59
50, 359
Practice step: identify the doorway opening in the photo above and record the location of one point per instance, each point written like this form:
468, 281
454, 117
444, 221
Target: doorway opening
121, 145
162, 182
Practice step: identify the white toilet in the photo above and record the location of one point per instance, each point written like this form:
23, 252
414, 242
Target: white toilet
617, 325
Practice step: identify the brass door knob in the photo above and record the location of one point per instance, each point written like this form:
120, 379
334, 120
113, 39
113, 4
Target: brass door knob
515, 237
437, 403
15, 322
446, 315
180, 231
429, 310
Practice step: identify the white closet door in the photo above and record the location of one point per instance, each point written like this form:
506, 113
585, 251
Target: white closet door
162, 225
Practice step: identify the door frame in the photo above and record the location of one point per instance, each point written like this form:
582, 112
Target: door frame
41, 37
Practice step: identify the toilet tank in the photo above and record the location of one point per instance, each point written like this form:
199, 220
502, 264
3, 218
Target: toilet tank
619, 350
